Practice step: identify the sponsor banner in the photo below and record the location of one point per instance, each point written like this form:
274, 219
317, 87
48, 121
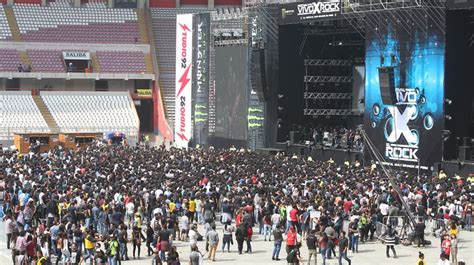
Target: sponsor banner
201, 42
183, 101
300, 12
76, 55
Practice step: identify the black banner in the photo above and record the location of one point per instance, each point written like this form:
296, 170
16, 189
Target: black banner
300, 12
201, 42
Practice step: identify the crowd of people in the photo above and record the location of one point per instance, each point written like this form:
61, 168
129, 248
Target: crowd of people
91, 205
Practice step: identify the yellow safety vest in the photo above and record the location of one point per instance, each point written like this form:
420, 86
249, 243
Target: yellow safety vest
39, 260
421, 262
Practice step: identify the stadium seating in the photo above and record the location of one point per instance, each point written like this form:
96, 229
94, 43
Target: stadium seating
60, 23
96, 4
5, 32
121, 61
48, 61
19, 114
10, 60
92, 111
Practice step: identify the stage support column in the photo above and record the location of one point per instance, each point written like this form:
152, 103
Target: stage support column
210, 4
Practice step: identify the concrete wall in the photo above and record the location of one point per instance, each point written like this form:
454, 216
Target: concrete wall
69, 85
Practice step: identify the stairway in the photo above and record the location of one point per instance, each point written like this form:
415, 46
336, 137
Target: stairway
47, 116
16, 36
142, 25
95, 63
148, 63
25, 59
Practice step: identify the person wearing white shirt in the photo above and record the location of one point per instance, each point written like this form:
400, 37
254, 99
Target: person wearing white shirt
384, 209
184, 227
130, 209
443, 260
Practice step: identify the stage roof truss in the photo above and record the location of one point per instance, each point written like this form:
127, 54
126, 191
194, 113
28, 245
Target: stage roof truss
317, 95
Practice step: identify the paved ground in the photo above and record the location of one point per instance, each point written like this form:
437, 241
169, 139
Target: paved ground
369, 253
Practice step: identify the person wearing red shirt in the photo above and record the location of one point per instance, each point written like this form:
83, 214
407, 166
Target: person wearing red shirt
291, 239
347, 205
446, 246
294, 218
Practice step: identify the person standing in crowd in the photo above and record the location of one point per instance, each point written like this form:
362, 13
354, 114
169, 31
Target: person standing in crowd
311, 243
278, 241
112, 250
323, 246
468, 207
420, 232
443, 260
294, 256
240, 235
446, 246
291, 239
156, 258
421, 259
454, 249
227, 236
354, 232
195, 257
390, 239
136, 241
343, 246
9, 227
212, 238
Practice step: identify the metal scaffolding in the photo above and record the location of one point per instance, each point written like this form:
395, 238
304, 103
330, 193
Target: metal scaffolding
316, 95
315, 62
328, 112
327, 79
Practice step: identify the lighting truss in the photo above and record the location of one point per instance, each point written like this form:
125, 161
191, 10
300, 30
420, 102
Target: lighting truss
328, 112
316, 95
327, 79
230, 42
317, 62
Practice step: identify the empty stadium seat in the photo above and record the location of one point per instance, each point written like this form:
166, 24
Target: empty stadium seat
19, 114
93, 111
10, 60
60, 23
121, 61
5, 32
48, 61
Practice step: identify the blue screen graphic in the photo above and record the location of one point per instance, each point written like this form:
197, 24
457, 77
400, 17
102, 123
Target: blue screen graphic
408, 130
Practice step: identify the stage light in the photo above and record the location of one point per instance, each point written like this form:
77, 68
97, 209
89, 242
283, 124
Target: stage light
448, 101
280, 96
448, 117
330, 44
446, 134
280, 108
340, 43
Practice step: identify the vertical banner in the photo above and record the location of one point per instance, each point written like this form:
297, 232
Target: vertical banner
201, 42
404, 93
183, 101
